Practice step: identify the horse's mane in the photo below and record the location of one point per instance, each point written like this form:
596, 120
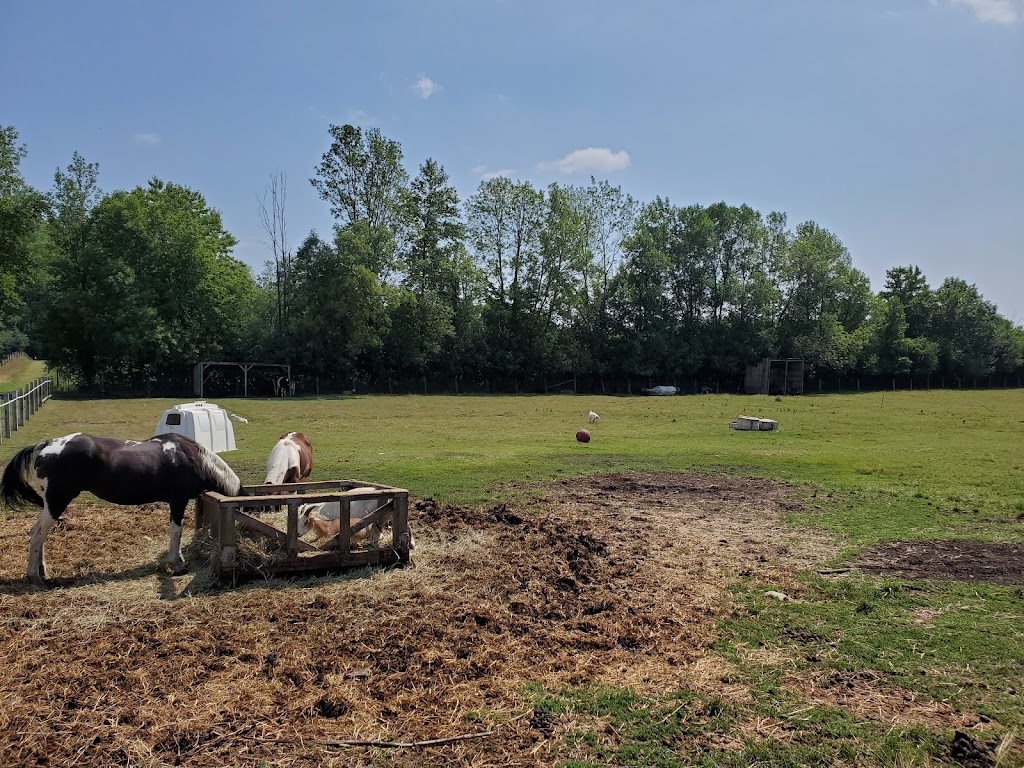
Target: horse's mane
282, 453
218, 471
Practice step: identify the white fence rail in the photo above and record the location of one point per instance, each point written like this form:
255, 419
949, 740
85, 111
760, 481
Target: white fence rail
20, 405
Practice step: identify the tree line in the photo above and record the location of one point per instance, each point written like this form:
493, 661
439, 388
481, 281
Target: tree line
128, 290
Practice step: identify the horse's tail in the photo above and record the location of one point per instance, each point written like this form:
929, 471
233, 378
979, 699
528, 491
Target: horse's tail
15, 490
221, 477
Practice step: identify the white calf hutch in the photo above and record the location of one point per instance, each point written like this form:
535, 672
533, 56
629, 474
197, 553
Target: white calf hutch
206, 423
227, 516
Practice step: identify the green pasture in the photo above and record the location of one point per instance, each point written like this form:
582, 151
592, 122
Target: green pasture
19, 372
877, 467
900, 464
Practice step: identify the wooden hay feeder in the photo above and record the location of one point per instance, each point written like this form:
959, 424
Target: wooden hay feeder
225, 515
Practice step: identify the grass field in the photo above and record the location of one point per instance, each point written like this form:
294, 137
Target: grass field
19, 372
917, 464
871, 469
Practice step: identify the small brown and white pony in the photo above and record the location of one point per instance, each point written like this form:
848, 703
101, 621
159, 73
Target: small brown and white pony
291, 460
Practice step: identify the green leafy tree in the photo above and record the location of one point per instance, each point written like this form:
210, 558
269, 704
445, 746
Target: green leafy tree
966, 329
432, 257
362, 178
340, 318
1009, 347
75, 193
419, 328
153, 290
825, 300
439, 325
22, 241
505, 221
608, 216
639, 302
909, 286
887, 347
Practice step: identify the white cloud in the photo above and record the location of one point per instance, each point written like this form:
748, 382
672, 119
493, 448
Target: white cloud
146, 138
589, 160
485, 175
993, 11
425, 87
360, 117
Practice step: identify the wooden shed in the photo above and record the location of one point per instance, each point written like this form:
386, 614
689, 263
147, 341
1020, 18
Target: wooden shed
775, 376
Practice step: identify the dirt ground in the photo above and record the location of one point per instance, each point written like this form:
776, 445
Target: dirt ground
958, 559
615, 580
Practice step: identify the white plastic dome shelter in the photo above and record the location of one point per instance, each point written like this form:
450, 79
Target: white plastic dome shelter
206, 423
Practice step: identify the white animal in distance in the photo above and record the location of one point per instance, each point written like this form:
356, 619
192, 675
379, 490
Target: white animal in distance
592, 417
238, 419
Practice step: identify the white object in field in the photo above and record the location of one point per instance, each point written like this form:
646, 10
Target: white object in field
206, 423
754, 424
239, 419
662, 390
592, 417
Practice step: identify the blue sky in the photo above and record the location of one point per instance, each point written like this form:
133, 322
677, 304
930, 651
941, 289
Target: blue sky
896, 124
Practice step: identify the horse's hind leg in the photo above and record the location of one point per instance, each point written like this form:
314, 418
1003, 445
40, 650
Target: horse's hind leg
36, 573
51, 511
174, 546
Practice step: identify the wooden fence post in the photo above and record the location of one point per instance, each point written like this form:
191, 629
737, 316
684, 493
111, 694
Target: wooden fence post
7, 415
345, 527
20, 408
227, 551
400, 526
292, 534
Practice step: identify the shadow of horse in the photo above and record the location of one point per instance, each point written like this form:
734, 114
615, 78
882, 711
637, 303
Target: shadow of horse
20, 586
199, 578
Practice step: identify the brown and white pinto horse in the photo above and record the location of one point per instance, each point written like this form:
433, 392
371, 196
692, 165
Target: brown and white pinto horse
168, 468
291, 460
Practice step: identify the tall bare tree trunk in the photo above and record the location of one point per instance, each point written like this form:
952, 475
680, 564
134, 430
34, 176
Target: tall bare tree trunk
274, 223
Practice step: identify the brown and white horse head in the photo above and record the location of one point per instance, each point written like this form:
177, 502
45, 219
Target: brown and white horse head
291, 460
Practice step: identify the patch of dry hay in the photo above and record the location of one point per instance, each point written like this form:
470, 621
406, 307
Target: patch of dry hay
868, 697
619, 581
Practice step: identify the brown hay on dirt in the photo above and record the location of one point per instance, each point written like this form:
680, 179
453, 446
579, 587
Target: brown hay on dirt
615, 580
